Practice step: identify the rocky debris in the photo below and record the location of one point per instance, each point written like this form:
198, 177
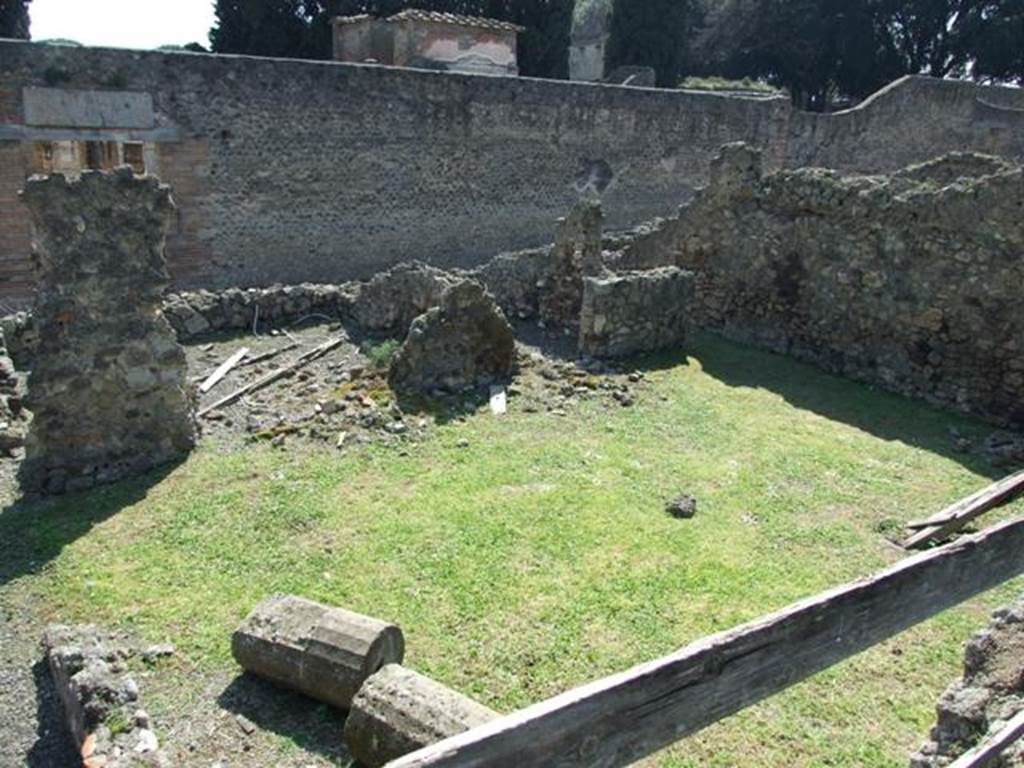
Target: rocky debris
464, 342
13, 416
636, 312
1004, 448
108, 388
989, 694
101, 698
392, 300
577, 253
951, 168
398, 711
682, 507
326, 653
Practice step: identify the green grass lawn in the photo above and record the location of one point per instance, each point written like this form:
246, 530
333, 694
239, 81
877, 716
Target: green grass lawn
539, 557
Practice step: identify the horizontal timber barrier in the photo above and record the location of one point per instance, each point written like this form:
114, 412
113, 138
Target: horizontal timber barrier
622, 718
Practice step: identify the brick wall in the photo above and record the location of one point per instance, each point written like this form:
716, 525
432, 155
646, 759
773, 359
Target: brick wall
322, 171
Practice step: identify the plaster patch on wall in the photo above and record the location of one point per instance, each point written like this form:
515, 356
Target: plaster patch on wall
61, 108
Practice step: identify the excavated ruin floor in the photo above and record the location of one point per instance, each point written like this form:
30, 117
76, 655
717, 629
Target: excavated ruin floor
343, 397
211, 716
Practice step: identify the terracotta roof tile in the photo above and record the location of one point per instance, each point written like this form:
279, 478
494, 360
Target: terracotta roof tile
415, 14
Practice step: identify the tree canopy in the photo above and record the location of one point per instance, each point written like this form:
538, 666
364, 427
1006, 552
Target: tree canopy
14, 21
821, 49
652, 33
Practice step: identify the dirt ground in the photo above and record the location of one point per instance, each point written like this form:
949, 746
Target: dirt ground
342, 397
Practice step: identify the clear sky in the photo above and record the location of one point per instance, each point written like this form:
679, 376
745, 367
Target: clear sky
123, 23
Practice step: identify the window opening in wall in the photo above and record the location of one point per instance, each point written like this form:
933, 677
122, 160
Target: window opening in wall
42, 157
133, 156
101, 155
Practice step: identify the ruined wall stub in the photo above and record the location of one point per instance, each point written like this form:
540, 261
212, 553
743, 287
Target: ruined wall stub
910, 281
108, 388
636, 312
576, 254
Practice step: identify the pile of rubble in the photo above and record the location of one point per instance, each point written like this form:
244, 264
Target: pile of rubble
101, 697
13, 416
990, 693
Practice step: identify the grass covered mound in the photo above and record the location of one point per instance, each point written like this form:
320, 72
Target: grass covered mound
527, 554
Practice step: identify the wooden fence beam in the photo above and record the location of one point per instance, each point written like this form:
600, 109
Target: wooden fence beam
955, 517
622, 718
990, 749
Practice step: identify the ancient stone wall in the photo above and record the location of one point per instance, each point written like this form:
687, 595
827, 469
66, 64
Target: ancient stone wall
289, 171
636, 312
12, 415
108, 388
911, 282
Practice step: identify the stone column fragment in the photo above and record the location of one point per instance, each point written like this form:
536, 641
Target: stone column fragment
399, 711
326, 653
108, 387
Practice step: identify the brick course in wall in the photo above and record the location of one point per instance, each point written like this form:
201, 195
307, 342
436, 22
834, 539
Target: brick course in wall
291, 170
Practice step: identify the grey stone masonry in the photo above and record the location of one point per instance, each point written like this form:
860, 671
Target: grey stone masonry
108, 386
101, 698
398, 711
324, 652
635, 312
12, 415
465, 341
576, 253
910, 281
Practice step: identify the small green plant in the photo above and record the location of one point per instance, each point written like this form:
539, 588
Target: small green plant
380, 355
726, 85
117, 722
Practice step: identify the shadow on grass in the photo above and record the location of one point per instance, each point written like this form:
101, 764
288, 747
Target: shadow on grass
34, 532
311, 725
53, 745
879, 413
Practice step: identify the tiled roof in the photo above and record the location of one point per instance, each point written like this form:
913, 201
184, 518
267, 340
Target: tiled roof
352, 19
415, 14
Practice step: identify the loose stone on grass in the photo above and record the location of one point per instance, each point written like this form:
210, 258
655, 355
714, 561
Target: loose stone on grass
682, 507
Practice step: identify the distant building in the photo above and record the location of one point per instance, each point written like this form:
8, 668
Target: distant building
429, 40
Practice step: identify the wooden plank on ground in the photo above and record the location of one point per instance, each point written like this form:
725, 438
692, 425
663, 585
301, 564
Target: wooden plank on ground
955, 517
989, 750
299, 362
223, 370
620, 719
